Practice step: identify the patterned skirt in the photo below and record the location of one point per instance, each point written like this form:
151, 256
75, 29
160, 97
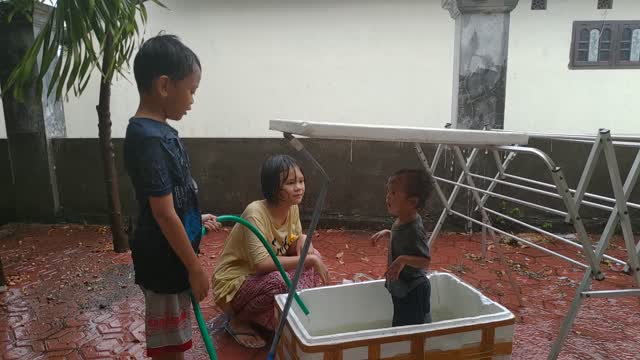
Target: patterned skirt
255, 300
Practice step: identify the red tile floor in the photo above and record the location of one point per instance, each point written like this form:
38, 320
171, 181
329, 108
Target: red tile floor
71, 297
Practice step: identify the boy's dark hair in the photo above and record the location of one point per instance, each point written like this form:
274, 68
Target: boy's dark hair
417, 183
163, 55
271, 175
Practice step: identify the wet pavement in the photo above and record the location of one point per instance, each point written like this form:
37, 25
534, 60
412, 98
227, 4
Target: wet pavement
71, 297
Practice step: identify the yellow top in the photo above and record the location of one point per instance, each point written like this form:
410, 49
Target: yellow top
243, 250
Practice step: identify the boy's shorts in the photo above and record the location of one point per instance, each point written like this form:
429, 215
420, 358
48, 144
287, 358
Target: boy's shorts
167, 322
413, 309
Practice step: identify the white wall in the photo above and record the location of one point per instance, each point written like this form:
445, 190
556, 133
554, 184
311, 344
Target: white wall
3, 128
543, 95
371, 61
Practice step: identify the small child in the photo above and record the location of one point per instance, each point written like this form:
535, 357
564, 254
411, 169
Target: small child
407, 192
168, 233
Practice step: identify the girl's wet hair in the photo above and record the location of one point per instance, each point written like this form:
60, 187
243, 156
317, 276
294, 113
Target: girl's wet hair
274, 173
163, 55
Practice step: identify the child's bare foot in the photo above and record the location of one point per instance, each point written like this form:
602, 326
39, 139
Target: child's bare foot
244, 334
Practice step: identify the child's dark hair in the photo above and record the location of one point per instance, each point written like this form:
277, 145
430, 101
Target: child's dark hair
271, 175
417, 183
163, 55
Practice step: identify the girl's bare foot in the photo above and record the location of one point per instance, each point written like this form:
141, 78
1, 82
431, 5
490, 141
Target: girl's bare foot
244, 334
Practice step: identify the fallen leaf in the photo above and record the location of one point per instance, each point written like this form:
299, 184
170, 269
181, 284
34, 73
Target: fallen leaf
339, 255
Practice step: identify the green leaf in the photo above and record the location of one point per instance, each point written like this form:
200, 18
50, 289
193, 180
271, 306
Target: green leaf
79, 28
63, 76
143, 13
55, 75
157, 2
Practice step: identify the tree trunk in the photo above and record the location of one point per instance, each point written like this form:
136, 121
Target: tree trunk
120, 241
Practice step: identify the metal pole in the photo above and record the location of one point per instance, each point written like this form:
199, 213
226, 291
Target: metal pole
583, 237
454, 193
496, 157
519, 239
623, 137
541, 192
436, 156
616, 143
621, 205
557, 237
435, 184
602, 245
531, 151
486, 221
296, 144
611, 293
484, 241
499, 175
509, 198
585, 283
589, 167
595, 196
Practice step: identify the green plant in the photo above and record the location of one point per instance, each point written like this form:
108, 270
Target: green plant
78, 38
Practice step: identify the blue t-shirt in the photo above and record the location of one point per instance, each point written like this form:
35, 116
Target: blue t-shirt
158, 165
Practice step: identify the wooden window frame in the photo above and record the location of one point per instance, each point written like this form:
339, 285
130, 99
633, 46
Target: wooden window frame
544, 6
614, 61
607, 6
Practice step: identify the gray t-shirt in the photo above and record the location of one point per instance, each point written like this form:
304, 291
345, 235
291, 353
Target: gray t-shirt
408, 239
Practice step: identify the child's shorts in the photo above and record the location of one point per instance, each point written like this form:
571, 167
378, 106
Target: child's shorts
413, 309
167, 322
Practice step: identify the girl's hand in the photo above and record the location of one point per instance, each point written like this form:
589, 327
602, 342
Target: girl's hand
379, 235
211, 223
393, 272
321, 269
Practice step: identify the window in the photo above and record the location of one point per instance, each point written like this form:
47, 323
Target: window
538, 4
605, 4
605, 45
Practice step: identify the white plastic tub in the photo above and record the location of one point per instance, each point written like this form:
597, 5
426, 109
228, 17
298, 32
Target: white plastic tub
353, 321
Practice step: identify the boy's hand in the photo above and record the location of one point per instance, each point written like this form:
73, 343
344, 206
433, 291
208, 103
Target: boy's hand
211, 223
379, 235
199, 283
393, 272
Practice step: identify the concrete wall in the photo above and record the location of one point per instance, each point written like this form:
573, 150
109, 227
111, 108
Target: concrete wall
544, 95
227, 172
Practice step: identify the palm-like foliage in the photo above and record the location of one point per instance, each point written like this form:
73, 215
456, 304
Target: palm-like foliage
77, 33
80, 37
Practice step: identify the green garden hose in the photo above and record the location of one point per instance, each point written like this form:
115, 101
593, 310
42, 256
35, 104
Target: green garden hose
196, 307
203, 328
256, 232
